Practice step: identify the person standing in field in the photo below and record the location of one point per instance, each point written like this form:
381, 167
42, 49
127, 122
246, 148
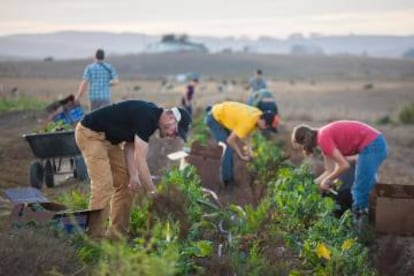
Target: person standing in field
257, 82
232, 123
114, 143
98, 77
264, 100
340, 142
186, 100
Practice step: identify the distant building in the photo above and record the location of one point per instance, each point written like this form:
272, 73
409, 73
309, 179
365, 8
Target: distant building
299, 49
171, 43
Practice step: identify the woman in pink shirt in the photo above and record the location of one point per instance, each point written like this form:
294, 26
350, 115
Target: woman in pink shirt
339, 142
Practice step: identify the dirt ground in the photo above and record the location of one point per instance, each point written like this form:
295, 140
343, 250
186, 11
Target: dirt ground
311, 103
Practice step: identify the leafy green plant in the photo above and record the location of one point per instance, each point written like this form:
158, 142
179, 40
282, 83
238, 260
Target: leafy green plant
313, 230
199, 130
59, 125
121, 259
74, 199
267, 159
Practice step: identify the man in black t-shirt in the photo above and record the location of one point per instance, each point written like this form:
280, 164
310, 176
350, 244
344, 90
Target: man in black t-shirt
114, 143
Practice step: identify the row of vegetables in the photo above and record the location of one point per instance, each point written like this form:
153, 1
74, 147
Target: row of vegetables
186, 230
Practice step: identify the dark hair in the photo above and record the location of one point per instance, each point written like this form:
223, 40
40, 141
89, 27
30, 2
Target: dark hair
305, 136
100, 54
259, 72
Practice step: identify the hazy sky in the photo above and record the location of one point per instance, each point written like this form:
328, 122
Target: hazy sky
252, 18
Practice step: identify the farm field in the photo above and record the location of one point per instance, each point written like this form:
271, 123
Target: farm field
313, 101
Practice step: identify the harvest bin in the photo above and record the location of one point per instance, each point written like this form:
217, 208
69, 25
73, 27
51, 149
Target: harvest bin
392, 209
207, 160
30, 205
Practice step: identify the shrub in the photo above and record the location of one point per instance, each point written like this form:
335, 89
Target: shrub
384, 120
406, 115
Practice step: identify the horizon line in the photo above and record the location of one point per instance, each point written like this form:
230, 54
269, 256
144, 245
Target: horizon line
292, 35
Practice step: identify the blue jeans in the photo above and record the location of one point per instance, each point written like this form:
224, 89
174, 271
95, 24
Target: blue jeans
368, 163
220, 133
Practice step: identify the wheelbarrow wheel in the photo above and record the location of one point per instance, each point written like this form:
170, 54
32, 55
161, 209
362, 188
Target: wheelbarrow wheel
80, 171
49, 179
36, 175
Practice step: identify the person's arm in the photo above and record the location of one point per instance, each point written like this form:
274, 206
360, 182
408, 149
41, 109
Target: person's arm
329, 165
137, 166
81, 90
232, 142
248, 141
129, 151
352, 158
341, 166
141, 151
114, 77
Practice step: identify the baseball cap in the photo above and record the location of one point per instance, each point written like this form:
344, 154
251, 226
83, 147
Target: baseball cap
183, 119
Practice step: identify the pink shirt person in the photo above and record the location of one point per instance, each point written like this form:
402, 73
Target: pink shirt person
349, 137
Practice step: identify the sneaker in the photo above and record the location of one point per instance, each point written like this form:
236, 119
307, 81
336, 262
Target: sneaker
360, 218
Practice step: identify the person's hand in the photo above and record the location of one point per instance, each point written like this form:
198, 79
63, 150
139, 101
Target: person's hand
152, 193
76, 100
245, 157
134, 184
325, 184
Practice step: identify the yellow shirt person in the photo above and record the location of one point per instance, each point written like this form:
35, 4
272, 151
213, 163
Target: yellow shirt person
238, 117
232, 123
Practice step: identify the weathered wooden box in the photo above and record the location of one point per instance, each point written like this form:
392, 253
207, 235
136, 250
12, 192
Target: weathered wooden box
392, 209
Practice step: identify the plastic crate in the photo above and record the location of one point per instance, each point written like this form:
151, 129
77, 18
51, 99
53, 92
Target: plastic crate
70, 116
72, 222
76, 114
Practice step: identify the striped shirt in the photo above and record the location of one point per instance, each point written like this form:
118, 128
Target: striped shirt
99, 75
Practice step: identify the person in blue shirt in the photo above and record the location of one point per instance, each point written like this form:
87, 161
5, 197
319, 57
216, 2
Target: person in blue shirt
257, 82
97, 78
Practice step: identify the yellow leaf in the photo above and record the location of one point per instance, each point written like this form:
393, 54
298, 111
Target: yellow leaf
347, 244
323, 251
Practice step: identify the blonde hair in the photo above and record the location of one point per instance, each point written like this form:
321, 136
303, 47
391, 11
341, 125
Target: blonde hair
305, 136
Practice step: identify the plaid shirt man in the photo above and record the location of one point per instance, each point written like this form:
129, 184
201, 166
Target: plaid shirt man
99, 75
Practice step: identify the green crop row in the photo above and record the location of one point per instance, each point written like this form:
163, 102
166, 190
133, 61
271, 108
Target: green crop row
185, 230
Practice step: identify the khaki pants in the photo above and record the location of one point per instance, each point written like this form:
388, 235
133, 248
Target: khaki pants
109, 183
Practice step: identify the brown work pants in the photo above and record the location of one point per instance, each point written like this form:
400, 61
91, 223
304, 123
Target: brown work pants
109, 183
